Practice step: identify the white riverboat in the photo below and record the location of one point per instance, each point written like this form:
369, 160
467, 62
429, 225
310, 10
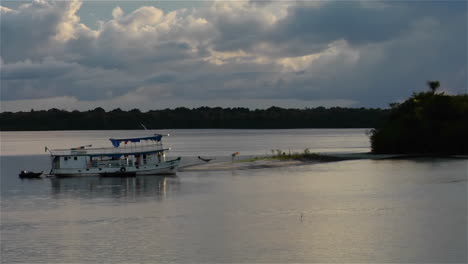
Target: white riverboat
127, 157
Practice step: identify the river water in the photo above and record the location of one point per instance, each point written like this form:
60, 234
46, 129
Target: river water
348, 211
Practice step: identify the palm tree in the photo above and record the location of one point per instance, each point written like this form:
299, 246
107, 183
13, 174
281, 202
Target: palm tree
433, 85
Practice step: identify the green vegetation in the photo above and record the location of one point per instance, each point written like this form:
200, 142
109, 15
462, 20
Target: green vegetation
304, 156
203, 117
278, 154
426, 123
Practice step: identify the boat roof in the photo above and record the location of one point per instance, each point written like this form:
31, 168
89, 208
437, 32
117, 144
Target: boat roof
116, 141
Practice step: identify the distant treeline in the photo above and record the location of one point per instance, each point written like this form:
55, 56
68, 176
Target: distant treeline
202, 117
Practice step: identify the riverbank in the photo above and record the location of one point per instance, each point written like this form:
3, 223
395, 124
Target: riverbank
243, 165
265, 162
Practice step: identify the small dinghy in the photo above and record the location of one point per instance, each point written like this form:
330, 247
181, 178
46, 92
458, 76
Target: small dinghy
205, 160
30, 174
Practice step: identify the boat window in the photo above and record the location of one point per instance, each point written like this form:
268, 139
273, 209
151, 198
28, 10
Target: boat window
65, 158
75, 158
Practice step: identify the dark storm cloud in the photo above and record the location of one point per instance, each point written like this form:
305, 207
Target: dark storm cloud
49, 78
349, 20
17, 34
27, 70
368, 52
237, 32
162, 78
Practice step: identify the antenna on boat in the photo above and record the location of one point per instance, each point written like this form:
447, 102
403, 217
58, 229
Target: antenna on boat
143, 126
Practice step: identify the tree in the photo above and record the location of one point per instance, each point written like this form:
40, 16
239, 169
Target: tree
99, 110
425, 123
433, 85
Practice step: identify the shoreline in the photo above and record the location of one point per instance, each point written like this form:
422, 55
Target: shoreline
268, 162
243, 165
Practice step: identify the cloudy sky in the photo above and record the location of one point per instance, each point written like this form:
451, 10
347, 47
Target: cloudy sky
166, 54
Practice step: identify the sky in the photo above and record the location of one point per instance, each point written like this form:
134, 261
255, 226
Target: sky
79, 55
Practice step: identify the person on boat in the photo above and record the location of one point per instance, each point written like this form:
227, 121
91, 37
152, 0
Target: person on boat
159, 157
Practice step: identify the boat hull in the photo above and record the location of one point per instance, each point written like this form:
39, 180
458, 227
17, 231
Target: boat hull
118, 174
162, 168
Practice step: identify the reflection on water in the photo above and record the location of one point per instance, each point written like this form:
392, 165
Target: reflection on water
114, 187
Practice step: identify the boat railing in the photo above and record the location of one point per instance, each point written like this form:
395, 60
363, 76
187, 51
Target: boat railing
106, 151
110, 163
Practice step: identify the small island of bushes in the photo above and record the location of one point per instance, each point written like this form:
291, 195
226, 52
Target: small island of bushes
426, 123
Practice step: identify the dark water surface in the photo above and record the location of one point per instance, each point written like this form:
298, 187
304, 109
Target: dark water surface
352, 211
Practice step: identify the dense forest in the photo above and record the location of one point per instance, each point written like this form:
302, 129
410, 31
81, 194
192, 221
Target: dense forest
203, 117
426, 123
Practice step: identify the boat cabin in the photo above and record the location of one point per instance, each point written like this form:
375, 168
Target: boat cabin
126, 154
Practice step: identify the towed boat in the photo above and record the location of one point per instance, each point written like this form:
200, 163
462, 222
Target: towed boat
30, 174
126, 157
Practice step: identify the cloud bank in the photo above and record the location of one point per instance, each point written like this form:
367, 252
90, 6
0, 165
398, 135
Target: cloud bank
231, 53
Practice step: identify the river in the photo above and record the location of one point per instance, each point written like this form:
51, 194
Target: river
348, 211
